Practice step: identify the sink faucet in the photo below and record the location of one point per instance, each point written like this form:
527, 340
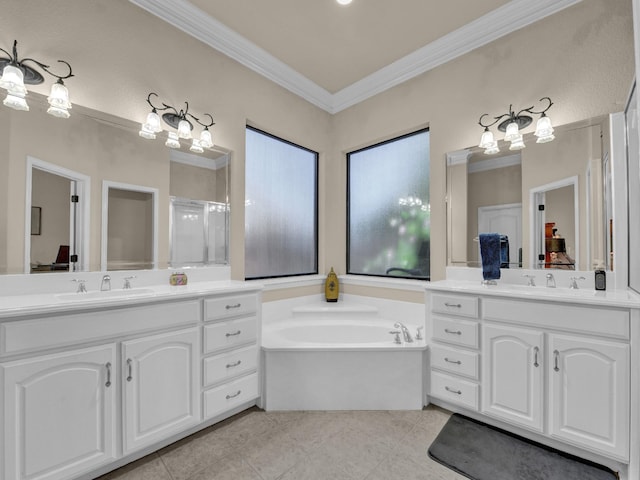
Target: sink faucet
405, 331
551, 282
531, 278
106, 283
574, 282
127, 282
81, 286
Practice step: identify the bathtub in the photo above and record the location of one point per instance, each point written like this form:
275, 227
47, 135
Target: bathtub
341, 358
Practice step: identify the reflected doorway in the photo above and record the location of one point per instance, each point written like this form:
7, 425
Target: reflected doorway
55, 219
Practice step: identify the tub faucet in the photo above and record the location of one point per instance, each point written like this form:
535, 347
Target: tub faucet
106, 283
551, 282
405, 331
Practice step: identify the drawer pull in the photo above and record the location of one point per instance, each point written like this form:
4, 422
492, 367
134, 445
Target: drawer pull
457, 392
535, 357
108, 384
229, 307
233, 334
130, 368
453, 332
231, 365
457, 362
455, 305
556, 354
229, 397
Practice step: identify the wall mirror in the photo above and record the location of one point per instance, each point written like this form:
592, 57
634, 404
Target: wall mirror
551, 200
89, 148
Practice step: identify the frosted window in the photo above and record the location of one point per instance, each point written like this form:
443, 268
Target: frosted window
280, 207
389, 213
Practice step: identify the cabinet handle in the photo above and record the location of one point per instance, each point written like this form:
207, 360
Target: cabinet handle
108, 384
453, 332
130, 368
231, 365
457, 392
457, 362
229, 397
233, 334
556, 354
456, 305
229, 307
535, 357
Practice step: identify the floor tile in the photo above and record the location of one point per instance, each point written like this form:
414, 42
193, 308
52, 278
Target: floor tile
228, 468
318, 466
147, 468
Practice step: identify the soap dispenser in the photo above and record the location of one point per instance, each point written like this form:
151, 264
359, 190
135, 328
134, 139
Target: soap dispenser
331, 287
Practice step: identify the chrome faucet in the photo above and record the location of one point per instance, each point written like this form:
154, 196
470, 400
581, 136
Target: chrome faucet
405, 331
106, 283
127, 282
574, 282
81, 286
551, 282
531, 280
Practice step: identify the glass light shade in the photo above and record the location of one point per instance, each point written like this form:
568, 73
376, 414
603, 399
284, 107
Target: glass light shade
146, 133
517, 143
546, 138
16, 102
59, 101
205, 139
184, 129
543, 127
195, 146
492, 148
153, 122
486, 140
172, 140
13, 81
511, 133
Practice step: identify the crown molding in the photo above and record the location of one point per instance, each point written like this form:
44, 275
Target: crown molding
458, 157
512, 16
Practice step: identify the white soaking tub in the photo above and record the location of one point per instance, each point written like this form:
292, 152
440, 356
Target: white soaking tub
341, 358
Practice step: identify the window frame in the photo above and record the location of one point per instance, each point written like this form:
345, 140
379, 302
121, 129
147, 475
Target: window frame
316, 235
348, 204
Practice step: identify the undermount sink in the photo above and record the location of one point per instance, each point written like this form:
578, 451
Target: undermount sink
98, 295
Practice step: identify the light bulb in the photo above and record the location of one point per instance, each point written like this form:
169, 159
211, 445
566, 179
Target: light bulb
344, 2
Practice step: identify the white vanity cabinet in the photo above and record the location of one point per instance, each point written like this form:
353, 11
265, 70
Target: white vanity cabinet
454, 358
159, 377
59, 413
230, 353
513, 374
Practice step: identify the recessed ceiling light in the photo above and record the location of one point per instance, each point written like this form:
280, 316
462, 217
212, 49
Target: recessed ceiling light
344, 2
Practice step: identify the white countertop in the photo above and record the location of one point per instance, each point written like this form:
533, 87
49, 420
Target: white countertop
609, 298
12, 306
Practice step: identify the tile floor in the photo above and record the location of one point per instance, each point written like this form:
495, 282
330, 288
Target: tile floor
258, 445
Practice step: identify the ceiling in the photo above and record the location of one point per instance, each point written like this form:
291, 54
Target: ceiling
336, 56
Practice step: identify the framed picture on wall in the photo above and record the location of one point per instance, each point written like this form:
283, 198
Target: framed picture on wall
36, 220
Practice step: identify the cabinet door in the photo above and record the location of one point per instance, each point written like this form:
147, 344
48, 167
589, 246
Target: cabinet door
161, 378
59, 413
589, 393
512, 375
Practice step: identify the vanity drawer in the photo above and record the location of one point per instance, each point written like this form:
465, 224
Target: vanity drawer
464, 305
455, 390
228, 365
607, 322
455, 361
223, 335
456, 331
220, 399
229, 306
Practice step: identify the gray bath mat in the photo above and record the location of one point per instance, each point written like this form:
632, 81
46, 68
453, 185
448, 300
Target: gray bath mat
481, 452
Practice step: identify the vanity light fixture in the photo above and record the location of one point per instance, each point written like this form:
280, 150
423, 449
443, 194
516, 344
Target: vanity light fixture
344, 2
181, 121
512, 126
15, 74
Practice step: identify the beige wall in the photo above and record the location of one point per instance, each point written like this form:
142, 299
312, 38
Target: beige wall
197, 183
582, 58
